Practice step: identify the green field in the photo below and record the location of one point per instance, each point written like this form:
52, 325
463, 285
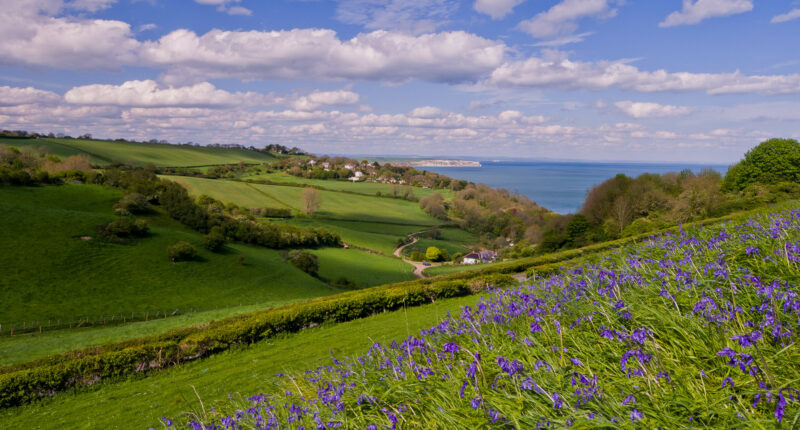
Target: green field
375, 236
139, 403
368, 188
50, 274
30, 346
361, 267
335, 205
162, 155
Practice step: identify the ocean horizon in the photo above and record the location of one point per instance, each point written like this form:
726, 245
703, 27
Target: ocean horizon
560, 186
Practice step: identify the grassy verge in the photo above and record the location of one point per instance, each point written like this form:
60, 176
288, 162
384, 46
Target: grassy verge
26, 347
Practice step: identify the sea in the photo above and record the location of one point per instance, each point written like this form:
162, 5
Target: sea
558, 186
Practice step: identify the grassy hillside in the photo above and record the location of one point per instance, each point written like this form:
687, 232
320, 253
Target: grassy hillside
139, 403
335, 205
161, 155
363, 268
49, 273
368, 188
375, 236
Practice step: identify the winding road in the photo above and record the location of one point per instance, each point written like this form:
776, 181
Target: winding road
418, 267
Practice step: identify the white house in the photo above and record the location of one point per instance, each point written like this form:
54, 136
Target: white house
325, 164
312, 162
358, 174
349, 166
471, 258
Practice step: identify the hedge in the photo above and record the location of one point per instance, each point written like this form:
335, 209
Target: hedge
26, 382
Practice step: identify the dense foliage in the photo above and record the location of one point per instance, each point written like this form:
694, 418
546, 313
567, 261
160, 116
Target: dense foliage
304, 260
771, 162
691, 329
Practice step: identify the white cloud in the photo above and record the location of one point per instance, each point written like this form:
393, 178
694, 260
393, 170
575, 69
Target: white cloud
414, 16
90, 5
496, 9
651, 110
566, 40
12, 96
562, 19
29, 38
304, 54
318, 99
427, 112
148, 93
788, 16
699, 10
225, 6
239, 10
556, 71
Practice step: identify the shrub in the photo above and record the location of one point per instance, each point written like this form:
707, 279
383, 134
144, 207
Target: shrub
124, 228
215, 239
305, 261
133, 203
416, 256
182, 251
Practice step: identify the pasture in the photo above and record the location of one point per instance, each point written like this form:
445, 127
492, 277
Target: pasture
161, 155
51, 274
334, 205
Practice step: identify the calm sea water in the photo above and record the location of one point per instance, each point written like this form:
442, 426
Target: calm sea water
558, 186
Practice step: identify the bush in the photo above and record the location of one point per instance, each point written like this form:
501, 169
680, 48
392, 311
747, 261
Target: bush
305, 261
181, 251
215, 239
133, 203
416, 256
344, 284
124, 228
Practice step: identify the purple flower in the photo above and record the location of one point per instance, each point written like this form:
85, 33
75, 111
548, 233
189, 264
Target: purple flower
636, 415
727, 381
476, 402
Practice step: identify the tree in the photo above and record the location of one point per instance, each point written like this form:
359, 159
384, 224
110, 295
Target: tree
433, 205
311, 200
577, 228
772, 161
305, 261
433, 253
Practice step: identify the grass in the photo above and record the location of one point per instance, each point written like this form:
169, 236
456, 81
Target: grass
335, 205
161, 155
139, 403
375, 236
363, 268
455, 268
51, 274
26, 347
367, 188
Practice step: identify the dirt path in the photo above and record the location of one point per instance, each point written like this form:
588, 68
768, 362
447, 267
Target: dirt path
418, 267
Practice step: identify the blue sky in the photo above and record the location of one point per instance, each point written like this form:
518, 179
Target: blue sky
667, 80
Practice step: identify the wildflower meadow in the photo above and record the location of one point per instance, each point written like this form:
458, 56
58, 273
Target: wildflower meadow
695, 329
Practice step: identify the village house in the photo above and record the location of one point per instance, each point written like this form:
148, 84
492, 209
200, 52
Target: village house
471, 258
482, 256
349, 166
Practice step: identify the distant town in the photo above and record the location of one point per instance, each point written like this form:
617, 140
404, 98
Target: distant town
436, 163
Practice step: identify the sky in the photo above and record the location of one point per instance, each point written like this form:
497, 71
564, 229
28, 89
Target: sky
597, 80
